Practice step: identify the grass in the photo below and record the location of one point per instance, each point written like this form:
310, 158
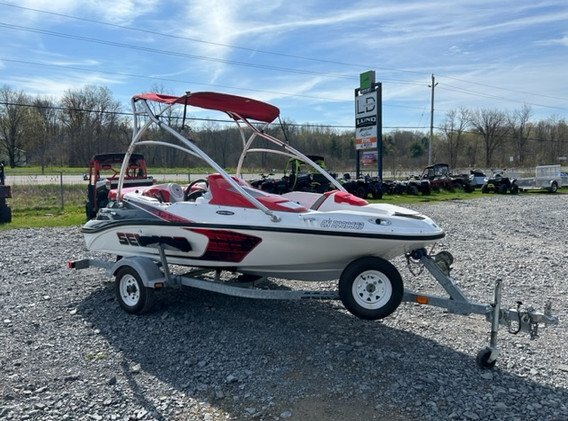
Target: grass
39, 206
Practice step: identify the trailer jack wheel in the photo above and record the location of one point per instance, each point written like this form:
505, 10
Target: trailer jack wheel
486, 358
132, 295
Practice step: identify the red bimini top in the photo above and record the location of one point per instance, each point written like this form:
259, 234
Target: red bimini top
235, 106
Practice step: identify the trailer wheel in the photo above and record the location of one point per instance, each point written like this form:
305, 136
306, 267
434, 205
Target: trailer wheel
133, 296
371, 288
482, 359
553, 187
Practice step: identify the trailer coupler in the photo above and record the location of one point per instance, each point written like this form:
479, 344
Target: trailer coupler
516, 319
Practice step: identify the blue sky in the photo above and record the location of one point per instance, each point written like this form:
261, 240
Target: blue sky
303, 56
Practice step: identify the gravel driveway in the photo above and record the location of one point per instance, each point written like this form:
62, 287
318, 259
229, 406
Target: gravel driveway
67, 351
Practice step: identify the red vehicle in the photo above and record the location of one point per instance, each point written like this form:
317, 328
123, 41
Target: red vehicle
104, 171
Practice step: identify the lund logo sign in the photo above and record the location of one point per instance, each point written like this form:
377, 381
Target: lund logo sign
347, 225
130, 239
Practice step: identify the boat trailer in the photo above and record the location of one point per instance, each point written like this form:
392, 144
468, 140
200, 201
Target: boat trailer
156, 275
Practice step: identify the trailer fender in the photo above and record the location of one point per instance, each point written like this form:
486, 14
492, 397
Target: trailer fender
149, 272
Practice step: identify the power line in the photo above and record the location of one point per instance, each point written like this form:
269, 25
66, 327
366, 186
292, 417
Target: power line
230, 46
187, 55
483, 95
505, 89
209, 120
82, 69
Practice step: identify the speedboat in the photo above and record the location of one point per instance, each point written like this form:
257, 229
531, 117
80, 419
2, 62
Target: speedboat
221, 222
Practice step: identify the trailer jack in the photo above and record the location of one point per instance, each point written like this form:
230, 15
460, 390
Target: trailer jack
527, 320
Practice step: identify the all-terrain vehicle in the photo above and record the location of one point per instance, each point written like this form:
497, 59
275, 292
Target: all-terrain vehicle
298, 176
363, 186
441, 178
501, 184
104, 171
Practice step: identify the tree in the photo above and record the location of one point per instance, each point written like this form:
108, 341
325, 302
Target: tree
92, 123
521, 130
43, 135
453, 127
14, 116
492, 126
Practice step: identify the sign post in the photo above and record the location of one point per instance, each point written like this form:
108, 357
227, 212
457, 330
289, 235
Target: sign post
368, 120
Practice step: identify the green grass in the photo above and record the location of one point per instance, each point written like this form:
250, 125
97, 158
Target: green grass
38, 206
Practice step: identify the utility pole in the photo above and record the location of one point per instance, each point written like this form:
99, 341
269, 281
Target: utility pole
431, 121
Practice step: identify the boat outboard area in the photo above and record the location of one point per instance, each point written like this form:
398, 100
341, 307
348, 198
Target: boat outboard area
222, 225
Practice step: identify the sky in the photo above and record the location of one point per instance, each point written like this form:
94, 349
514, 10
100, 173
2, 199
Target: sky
305, 56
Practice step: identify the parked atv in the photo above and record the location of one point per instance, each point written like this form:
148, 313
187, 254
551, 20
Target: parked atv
363, 186
442, 179
500, 184
298, 176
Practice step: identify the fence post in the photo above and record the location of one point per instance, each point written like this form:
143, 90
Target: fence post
61, 188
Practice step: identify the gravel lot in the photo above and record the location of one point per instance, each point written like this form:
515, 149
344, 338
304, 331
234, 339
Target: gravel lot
69, 352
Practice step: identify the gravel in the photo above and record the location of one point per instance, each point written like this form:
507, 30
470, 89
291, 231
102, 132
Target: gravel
69, 352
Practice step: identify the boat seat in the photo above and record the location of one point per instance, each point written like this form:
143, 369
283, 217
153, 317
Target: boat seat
222, 193
169, 192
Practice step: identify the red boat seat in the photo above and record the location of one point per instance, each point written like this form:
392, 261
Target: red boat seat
223, 194
339, 197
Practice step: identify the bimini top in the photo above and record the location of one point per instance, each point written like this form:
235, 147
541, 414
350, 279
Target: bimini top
235, 106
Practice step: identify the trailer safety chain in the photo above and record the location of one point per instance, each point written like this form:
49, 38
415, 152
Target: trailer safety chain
533, 326
509, 323
410, 263
525, 318
413, 258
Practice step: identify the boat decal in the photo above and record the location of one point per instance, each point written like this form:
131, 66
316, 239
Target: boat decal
131, 239
224, 212
346, 225
227, 246
159, 213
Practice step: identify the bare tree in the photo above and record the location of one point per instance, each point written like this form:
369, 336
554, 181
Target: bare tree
521, 130
14, 115
454, 126
92, 123
43, 133
493, 128
550, 135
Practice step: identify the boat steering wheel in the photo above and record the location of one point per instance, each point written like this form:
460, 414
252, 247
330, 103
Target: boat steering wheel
188, 195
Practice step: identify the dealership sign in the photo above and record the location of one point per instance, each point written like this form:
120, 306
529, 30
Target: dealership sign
366, 118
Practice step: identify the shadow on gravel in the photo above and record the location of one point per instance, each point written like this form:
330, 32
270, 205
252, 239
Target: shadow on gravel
298, 360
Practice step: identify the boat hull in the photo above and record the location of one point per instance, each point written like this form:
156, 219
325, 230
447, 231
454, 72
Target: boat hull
313, 246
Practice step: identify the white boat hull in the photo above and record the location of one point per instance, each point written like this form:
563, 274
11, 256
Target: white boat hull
304, 246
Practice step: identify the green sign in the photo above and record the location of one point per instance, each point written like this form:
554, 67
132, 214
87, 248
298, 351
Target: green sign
367, 79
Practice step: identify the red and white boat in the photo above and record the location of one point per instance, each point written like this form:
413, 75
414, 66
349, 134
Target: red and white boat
223, 223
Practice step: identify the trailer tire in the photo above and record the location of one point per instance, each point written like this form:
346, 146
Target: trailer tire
5, 214
132, 295
371, 288
553, 187
361, 192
